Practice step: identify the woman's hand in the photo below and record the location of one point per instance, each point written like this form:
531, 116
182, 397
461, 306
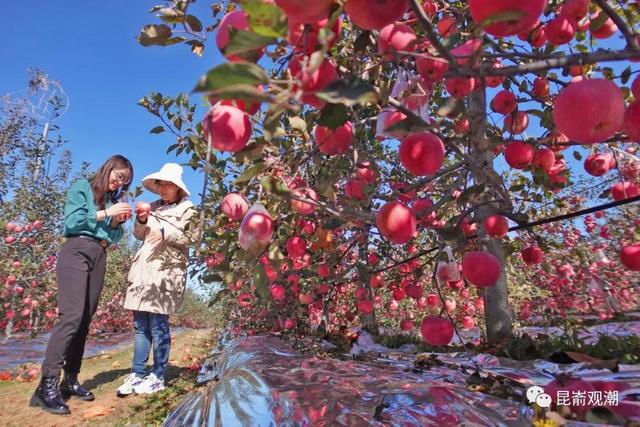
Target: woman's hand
153, 237
118, 209
142, 211
122, 218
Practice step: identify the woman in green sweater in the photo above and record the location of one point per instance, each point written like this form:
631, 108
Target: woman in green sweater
93, 219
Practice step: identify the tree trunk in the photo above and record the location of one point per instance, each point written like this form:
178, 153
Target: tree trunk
496, 302
368, 321
8, 331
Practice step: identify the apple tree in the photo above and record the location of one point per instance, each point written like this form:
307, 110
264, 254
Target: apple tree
372, 155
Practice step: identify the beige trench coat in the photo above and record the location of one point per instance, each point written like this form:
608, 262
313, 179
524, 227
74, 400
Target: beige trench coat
158, 275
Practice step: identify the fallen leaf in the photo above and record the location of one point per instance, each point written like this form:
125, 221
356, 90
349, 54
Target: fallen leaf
96, 411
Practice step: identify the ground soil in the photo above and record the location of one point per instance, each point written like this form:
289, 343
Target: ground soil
103, 374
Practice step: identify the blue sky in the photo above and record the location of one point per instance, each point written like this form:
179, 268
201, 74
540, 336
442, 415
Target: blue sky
90, 48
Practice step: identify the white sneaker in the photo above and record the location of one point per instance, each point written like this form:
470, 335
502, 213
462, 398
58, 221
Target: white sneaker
150, 384
130, 381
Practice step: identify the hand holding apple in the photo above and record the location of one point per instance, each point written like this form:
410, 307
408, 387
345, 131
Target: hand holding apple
142, 210
122, 217
117, 210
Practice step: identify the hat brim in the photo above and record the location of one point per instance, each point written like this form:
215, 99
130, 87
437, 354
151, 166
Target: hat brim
149, 182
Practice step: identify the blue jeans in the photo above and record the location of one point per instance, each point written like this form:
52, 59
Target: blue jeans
151, 328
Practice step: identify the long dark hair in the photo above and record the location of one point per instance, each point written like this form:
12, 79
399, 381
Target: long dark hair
100, 180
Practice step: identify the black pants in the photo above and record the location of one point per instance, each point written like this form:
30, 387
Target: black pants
80, 273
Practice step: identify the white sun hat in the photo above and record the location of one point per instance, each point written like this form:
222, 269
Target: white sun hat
171, 172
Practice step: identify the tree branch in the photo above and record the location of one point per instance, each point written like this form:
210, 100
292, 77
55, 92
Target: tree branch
557, 61
632, 43
431, 35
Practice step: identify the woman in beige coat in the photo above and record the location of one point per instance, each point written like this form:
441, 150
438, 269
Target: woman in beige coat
157, 277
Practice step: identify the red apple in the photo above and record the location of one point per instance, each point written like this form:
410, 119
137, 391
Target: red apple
394, 38
234, 206
597, 164
505, 102
334, 141
543, 158
422, 153
311, 82
631, 122
481, 268
525, 13
228, 128
305, 11
303, 207
560, 30
375, 14
624, 190
589, 111
532, 255
396, 222
239, 21
306, 41
496, 226
630, 256
436, 330
518, 154
516, 122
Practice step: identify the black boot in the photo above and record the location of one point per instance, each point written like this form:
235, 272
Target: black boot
71, 387
48, 397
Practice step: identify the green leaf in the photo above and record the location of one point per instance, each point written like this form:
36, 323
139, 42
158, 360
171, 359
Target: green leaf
349, 91
607, 72
157, 129
152, 35
241, 42
333, 223
194, 23
197, 47
470, 193
406, 126
333, 116
626, 74
449, 234
274, 253
260, 281
244, 92
274, 185
265, 19
595, 24
251, 152
211, 278
452, 41
170, 15
298, 123
272, 120
219, 295
509, 15
250, 172
229, 74
582, 48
